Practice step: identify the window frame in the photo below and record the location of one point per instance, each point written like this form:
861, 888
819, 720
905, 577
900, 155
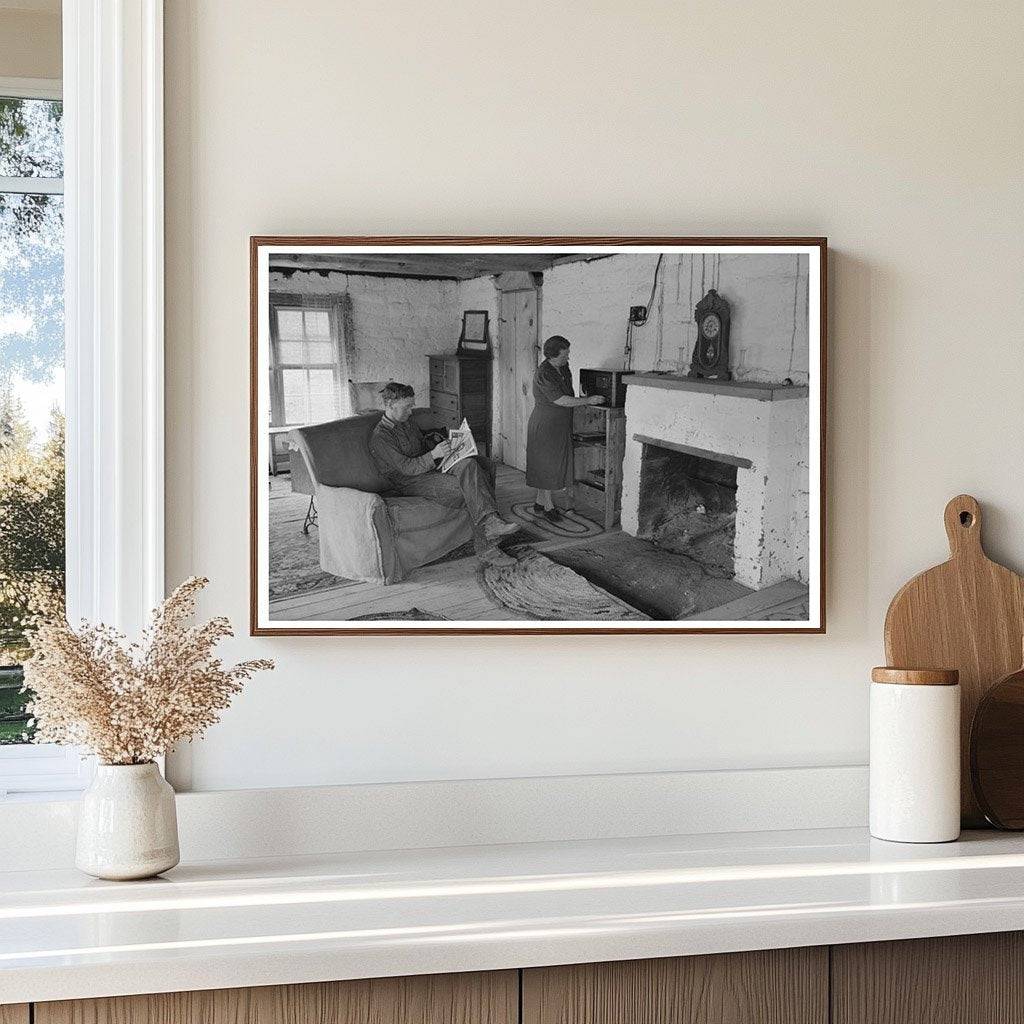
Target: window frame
112, 90
32, 89
48, 89
294, 300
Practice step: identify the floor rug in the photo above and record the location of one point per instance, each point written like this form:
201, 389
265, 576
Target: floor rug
538, 588
294, 556
573, 524
664, 584
412, 615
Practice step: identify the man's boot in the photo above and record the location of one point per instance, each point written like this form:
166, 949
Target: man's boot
496, 557
495, 527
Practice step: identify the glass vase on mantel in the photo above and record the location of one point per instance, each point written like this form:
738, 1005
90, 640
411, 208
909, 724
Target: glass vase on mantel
127, 824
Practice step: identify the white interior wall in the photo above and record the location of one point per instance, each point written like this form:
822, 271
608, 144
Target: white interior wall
30, 41
473, 117
588, 302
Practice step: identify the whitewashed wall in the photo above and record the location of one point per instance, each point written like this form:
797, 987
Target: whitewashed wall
589, 303
477, 116
393, 324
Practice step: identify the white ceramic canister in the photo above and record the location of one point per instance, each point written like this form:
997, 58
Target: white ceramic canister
127, 825
915, 755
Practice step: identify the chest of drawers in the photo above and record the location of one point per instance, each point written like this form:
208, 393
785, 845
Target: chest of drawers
460, 388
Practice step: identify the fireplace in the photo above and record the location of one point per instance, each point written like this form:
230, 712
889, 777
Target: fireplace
718, 470
688, 505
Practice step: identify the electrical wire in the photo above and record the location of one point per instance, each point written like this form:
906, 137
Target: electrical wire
654, 284
627, 354
796, 301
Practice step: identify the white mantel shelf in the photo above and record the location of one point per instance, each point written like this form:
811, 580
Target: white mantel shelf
735, 388
262, 922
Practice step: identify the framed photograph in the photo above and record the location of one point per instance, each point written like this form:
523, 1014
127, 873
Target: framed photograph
537, 435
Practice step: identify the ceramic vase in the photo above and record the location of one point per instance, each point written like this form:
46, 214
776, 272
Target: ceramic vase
127, 825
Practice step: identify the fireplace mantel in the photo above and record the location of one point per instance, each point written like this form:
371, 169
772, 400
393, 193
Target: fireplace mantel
757, 390
745, 424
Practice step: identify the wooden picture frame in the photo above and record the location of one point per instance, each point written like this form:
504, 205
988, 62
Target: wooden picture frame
415, 258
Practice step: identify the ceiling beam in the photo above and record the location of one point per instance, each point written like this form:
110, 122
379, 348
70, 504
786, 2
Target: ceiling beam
451, 266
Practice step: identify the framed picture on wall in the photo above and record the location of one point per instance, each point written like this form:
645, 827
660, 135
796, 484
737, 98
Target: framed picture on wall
537, 435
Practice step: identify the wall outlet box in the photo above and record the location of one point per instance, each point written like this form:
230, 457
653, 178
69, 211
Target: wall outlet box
637, 314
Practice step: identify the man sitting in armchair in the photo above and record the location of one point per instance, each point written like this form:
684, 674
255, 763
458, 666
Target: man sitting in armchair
400, 453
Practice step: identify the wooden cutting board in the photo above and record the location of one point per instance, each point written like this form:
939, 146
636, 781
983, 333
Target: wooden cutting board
967, 614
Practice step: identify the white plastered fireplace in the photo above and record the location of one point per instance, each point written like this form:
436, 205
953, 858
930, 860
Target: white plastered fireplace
763, 430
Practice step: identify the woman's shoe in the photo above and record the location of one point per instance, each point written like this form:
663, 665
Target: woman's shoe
552, 515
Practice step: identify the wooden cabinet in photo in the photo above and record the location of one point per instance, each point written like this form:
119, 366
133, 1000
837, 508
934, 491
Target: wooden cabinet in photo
14, 1013
460, 388
599, 446
478, 998
958, 979
775, 986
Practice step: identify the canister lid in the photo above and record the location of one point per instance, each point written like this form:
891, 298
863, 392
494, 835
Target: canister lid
916, 676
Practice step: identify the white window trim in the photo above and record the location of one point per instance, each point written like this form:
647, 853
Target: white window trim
113, 168
44, 770
114, 322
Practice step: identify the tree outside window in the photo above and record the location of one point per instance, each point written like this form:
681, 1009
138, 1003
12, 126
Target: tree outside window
31, 386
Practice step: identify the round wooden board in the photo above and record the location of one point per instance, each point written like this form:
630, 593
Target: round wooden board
997, 752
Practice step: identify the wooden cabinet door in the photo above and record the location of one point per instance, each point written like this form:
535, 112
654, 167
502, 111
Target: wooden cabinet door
778, 986
960, 979
14, 1013
480, 998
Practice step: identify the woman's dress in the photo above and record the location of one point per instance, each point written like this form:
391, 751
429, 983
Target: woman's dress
549, 434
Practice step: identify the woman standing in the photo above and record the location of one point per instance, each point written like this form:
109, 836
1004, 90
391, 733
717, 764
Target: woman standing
549, 436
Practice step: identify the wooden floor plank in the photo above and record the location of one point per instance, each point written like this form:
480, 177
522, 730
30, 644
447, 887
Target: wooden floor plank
752, 606
296, 602
430, 596
356, 593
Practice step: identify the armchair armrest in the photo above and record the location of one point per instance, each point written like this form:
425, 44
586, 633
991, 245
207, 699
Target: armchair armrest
351, 524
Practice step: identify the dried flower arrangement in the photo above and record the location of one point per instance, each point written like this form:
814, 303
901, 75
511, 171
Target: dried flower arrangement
129, 703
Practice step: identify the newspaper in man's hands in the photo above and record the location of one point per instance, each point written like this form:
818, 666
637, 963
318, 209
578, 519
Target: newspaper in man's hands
463, 446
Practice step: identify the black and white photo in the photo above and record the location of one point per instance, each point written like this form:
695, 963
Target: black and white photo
576, 435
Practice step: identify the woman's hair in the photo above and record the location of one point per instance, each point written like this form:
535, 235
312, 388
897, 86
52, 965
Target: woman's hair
393, 391
555, 344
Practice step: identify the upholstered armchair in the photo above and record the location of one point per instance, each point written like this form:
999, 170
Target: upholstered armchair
364, 533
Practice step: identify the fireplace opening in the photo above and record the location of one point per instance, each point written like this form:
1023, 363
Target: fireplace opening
688, 505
